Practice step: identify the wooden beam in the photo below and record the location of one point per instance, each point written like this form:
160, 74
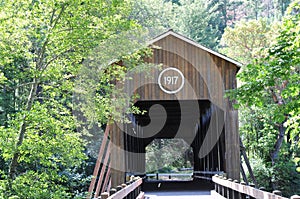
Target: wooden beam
102, 172
98, 162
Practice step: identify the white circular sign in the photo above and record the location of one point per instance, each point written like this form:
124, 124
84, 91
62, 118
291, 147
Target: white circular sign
171, 80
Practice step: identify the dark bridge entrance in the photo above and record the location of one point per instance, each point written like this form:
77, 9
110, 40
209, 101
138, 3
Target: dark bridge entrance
188, 120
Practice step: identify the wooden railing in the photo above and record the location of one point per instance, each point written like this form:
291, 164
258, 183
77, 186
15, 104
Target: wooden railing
168, 175
130, 190
207, 175
226, 188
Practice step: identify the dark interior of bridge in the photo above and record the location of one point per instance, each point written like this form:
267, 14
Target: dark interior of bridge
184, 119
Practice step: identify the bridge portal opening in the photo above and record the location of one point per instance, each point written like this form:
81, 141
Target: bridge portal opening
164, 121
169, 159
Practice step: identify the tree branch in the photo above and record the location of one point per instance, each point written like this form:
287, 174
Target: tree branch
22, 130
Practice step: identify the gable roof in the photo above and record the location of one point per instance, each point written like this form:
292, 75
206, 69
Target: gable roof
194, 43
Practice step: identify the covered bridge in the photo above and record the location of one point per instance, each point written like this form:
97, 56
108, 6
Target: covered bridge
183, 99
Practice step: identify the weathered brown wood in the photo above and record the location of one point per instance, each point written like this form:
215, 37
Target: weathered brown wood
106, 180
102, 172
245, 189
104, 195
117, 156
191, 62
98, 162
126, 190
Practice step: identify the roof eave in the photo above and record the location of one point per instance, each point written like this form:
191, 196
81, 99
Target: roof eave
171, 32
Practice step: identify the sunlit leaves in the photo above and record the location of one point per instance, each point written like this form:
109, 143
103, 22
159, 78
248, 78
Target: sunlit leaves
47, 41
269, 99
35, 184
275, 78
246, 39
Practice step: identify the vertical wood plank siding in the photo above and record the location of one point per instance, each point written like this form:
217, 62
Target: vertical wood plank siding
205, 73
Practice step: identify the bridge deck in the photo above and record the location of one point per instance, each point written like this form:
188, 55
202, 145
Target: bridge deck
178, 195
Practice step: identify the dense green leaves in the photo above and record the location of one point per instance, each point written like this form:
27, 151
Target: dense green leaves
269, 95
247, 39
42, 46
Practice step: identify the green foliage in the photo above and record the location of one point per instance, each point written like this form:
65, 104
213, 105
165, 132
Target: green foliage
247, 39
264, 9
156, 15
273, 82
282, 176
205, 21
269, 95
262, 172
195, 23
166, 155
42, 46
40, 185
286, 178
2, 78
190, 18
100, 96
50, 141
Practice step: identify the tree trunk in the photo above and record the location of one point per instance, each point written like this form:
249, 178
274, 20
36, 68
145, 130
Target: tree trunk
274, 154
22, 131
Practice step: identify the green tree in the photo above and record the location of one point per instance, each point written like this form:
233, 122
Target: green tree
247, 39
42, 45
2, 77
188, 17
271, 85
274, 10
156, 15
194, 22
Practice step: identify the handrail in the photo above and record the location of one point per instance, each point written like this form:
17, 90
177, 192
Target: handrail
133, 189
186, 174
168, 174
233, 189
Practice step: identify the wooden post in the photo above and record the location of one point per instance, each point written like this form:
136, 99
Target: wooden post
217, 186
263, 188
232, 145
243, 152
112, 191
229, 191
138, 189
220, 189
224, 189
236, 194
117, 156
104, 195
295, 197
277, 192
253, 186
119, 187
243, 196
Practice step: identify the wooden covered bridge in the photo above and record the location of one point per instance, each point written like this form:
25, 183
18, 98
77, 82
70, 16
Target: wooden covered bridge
183, 99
